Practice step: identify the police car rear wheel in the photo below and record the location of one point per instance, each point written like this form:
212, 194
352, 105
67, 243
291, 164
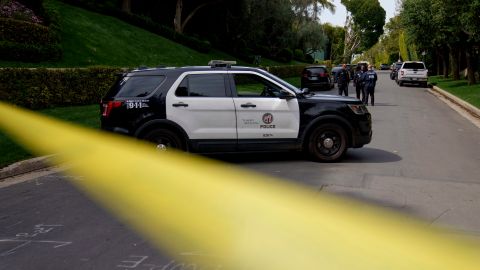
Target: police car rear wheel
164, 139
328, 143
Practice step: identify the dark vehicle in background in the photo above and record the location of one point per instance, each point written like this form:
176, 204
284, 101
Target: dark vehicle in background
395, 67
384, 67
335, 70
317, 77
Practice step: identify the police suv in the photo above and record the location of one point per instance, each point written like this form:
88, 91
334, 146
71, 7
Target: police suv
224, 108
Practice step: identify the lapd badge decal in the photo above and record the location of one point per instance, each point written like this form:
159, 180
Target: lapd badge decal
267, 119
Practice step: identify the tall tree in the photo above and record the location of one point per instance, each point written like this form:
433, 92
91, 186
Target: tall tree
363, 25
310, 9
336, 36
178, 22
471, 26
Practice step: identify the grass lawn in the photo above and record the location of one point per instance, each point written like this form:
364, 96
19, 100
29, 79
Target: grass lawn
461, 89
91, 39
87, 116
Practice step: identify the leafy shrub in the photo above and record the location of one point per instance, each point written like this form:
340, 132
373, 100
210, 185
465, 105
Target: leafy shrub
309, 58
298, 55
16, 10
44, 88
26, 32
31, 42
285, 55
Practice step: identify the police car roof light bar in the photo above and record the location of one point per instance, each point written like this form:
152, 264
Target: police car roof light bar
221, 63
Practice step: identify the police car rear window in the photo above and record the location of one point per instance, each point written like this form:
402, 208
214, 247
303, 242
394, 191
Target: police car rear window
202, 85
315, 71
135, 86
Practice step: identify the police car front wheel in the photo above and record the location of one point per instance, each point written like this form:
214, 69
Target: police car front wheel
164, 139
328, 143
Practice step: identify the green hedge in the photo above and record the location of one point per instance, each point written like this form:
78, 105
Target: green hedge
286, 71
44, 88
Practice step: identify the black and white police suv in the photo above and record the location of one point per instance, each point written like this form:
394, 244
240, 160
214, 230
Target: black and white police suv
223, 108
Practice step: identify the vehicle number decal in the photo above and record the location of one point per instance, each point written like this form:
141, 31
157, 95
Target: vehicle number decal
136, 104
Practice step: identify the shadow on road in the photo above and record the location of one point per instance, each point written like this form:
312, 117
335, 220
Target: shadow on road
361, 155
370, 155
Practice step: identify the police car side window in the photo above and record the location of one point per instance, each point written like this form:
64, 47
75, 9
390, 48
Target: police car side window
250, 85
202, 85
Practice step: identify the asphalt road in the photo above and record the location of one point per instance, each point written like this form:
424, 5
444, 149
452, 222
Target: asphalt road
423, 161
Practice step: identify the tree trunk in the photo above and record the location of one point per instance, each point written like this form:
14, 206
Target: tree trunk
439, 61
177, 21
445, 63
127, 6
470, 66
454, 62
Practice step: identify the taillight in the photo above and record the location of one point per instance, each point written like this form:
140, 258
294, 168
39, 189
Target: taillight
401, 72
109, 106
305, 75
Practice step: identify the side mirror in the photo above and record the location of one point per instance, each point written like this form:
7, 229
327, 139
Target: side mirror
305, 91
286, 95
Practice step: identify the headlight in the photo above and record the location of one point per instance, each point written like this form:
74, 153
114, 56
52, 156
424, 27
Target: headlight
358, 108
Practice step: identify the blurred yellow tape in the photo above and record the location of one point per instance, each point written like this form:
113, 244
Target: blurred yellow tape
245, 221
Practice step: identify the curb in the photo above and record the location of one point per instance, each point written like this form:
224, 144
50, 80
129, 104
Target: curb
469, 111
25, 166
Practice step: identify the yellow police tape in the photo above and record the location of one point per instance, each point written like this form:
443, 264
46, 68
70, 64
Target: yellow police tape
242, 220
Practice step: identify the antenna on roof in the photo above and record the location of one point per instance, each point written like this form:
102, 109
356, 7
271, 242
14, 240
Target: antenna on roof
221, 63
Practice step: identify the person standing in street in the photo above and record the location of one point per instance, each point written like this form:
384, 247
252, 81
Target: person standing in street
370, 80
357, 82
343, 79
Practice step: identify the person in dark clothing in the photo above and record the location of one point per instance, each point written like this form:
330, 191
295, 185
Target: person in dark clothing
357, 83
370, 80
343, 79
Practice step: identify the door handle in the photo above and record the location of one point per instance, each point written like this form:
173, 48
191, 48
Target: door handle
181, 104
248, 105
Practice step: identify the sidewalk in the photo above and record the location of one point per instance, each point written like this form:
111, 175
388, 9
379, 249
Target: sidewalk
464, 108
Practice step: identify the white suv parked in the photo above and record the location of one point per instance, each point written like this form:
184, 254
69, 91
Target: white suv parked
413, 72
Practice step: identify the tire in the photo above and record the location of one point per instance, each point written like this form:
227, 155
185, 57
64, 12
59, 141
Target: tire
424, 85
327, 143
165, 139
400, 83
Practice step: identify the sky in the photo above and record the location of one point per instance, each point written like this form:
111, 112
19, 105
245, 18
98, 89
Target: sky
338, 18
